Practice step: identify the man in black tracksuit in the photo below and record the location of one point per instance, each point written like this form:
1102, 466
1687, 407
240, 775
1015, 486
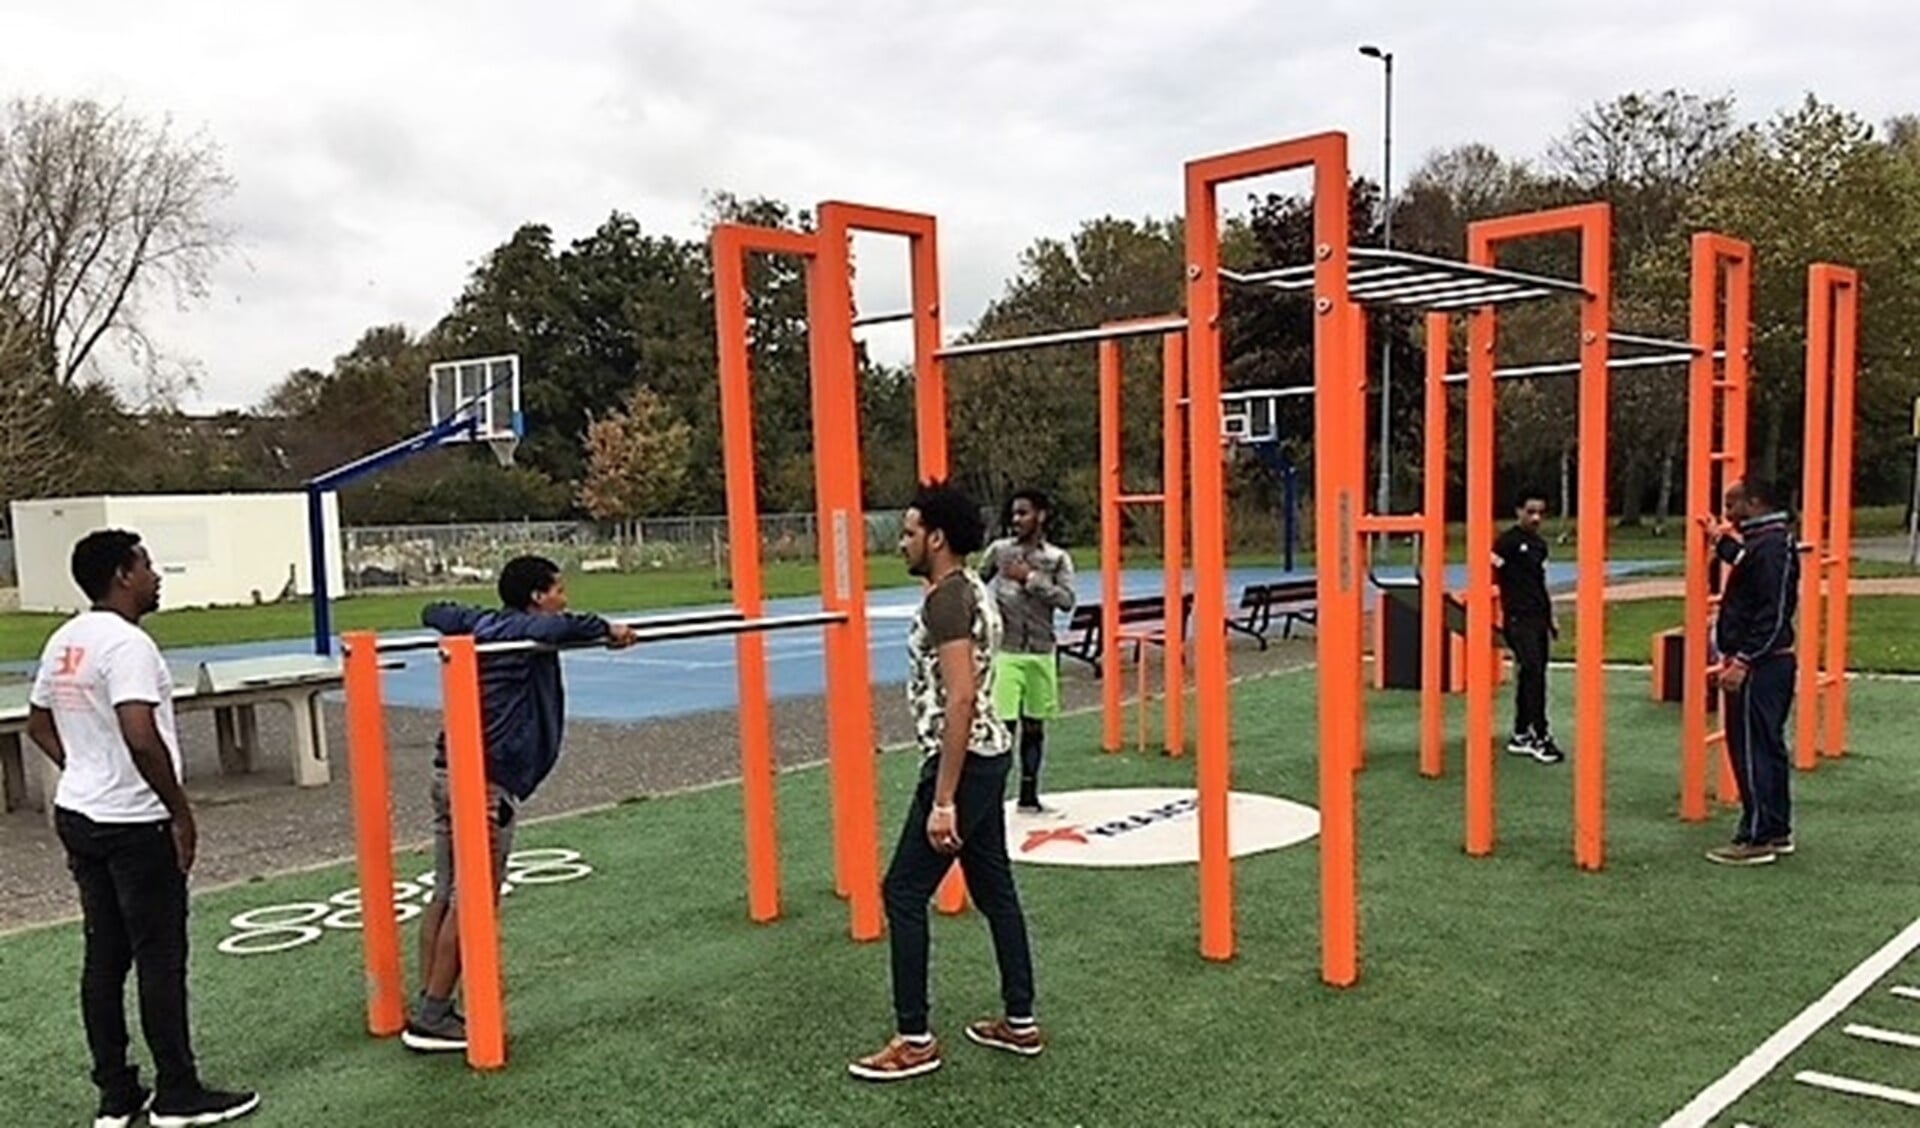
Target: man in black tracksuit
1520, 568
1754, 637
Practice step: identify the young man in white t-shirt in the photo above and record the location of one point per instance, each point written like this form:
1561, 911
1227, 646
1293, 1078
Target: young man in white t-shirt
102, 711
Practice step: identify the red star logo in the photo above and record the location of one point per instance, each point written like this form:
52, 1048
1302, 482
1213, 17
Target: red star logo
1039, 838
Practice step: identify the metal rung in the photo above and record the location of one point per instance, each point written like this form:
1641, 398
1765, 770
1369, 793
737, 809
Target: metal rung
1726, 383
1830, 561
1142, 499
1721, 456
1719, 736
1827, 681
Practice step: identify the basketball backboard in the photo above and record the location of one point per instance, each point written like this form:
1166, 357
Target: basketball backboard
485, 389
1251, 416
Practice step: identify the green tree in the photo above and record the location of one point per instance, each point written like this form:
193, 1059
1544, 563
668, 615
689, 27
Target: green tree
1814, 184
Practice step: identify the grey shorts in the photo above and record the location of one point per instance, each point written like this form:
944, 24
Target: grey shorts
503, 812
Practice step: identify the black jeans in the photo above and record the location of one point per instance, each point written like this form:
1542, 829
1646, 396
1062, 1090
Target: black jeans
1530, 641
917, 871
133, 901
1757, 742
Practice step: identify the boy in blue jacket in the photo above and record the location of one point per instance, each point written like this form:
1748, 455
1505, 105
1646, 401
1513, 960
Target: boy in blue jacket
523, 713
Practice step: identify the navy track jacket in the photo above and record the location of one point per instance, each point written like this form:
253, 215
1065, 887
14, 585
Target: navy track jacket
523, 703
1762, 586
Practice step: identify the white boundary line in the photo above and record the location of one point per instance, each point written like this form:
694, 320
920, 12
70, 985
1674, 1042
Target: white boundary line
1906, 992
1857, 1087
1881, 1034
1715, 1098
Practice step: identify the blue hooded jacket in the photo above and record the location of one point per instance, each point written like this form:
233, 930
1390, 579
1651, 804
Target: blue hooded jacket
523, 702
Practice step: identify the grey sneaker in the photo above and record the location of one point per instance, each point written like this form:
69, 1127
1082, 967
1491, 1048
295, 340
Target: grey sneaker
446, 1036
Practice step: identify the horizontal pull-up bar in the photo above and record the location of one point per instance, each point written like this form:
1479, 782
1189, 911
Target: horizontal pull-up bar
650, 623
682, 631
1654, 342
883, 318
1067, 337
1387, 277
1572, 367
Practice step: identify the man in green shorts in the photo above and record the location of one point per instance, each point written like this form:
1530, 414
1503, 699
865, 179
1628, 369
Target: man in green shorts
1031, 579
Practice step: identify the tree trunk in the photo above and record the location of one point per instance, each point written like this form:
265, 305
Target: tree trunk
1663, 502
1566, 483
1633, 485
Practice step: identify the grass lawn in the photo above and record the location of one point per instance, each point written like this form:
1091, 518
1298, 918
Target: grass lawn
1885, 637
1510, 990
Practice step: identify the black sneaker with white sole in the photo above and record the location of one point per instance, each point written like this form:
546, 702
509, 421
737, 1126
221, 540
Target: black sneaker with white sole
121, 1110
207, 1106
1521, 744
1545, 751
446, 1036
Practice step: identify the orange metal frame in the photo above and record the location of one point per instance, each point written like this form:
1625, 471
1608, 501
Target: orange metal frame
842, 526
1717, 411
1594, 224
1170, 499
1339, 401
836, 367
1826, 514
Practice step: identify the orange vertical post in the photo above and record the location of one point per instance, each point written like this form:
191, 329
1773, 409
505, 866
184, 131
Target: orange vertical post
1813, 517
1478, 755
1111, 382
472, 855
1739, 391
1337, 490
373, 834
1596, 398
1594, 224
1716, 412
731, 244
1842, 287
1433, 557
1356, 348
1173, 519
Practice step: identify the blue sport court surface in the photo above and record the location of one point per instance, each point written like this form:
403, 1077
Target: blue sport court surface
697, 675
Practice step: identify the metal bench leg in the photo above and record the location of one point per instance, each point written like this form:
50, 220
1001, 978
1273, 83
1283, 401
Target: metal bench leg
13, 773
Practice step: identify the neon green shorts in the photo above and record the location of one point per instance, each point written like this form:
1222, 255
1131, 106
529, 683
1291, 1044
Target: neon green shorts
1026, 685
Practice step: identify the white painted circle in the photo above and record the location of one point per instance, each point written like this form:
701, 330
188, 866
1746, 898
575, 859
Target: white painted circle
1144, 826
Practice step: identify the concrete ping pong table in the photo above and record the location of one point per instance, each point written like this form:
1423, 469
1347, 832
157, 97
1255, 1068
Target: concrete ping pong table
231, 688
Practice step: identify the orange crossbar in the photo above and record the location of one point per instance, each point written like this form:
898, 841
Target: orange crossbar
1392, 523
373, 834
472, 854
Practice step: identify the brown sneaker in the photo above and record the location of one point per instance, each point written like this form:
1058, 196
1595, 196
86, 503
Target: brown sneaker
1743, 854
1782, 846
999, 1034
900, 1060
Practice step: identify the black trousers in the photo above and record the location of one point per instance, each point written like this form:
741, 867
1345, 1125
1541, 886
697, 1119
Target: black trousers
1530, 640
917, 870
1757, 742
133, 902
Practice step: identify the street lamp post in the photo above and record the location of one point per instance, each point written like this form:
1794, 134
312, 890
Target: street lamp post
1384, 500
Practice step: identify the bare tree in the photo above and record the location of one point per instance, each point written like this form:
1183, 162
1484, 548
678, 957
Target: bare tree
98, 209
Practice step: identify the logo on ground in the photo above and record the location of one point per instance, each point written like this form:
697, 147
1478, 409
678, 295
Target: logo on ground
1150, 827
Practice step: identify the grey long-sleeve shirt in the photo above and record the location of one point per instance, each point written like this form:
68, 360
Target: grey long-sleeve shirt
1027, 609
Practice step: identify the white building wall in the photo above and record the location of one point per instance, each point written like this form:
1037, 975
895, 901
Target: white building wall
211, 549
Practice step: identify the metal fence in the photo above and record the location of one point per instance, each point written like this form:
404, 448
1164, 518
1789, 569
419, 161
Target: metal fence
378, 556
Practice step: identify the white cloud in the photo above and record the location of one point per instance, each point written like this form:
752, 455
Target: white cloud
380, 149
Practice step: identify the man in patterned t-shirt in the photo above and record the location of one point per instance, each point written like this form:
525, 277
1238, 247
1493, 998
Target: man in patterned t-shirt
958, 808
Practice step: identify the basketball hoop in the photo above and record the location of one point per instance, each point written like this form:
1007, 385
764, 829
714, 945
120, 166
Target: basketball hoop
503, 447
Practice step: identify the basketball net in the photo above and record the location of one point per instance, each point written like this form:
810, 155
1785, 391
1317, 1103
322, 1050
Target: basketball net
503, 447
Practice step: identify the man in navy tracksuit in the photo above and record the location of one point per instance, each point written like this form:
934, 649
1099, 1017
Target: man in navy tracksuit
523, 712
1754, 637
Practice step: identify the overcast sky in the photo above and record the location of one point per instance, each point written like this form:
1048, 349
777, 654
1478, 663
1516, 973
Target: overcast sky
381, 148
